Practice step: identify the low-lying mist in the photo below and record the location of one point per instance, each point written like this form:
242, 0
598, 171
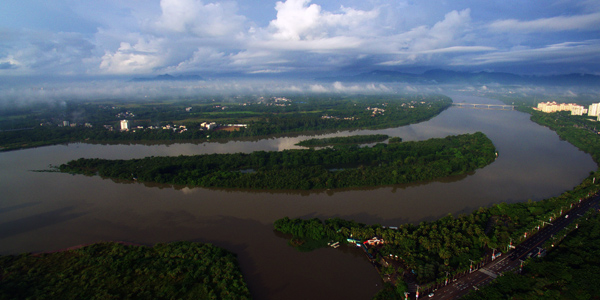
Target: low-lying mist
25, 93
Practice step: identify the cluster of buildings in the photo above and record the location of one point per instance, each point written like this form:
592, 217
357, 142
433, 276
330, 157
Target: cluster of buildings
575, 109
126, 114
273, 101
325, 117
126, 126
208, 126
376, 110
68, 124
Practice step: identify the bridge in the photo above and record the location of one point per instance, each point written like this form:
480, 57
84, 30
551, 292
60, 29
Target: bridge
484, 106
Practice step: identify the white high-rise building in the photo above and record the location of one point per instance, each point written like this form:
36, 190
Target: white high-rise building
594, 110
550, 107
124, 125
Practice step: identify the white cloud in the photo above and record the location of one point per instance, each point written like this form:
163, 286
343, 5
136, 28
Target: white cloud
301, 26
202, 36
25, 51
317, 88
197, 18
445, 32
420, 43
142, 57
451, 50
296, 20
560, 23
320, 45
203, 58
569, 52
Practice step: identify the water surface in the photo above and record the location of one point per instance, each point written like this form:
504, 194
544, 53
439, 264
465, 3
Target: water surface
51, 211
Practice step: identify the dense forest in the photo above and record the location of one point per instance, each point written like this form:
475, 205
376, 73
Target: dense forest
338, 167
346, 140
430, 249
89, 122
572, 271
181, 270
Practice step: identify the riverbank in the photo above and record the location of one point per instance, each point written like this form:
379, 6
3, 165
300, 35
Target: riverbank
64, 210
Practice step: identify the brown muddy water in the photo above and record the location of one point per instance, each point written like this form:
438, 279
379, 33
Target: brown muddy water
49, 211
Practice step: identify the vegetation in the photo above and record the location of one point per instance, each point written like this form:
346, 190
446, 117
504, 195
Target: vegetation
181, 270
44, 124
577, 130
430, 249
344, 140
339, 167
572, 271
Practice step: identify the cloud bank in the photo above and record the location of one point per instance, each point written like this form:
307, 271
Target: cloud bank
89, 38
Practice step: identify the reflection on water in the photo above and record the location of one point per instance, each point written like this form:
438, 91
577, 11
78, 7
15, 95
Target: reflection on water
48, 211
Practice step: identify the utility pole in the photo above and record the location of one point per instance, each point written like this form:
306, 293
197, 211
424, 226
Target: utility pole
471, 267
521, 267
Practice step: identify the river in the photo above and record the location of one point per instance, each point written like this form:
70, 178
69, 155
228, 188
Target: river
41, 211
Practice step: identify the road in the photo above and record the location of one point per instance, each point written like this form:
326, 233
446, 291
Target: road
487, 272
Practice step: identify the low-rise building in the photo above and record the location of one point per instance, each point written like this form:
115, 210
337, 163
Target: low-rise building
375, 241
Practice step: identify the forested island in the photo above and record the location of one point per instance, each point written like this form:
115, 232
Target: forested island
346, 140
338, 167
209, 118
180, 270
430, 252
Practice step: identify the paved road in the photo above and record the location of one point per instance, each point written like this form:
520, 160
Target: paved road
529, 248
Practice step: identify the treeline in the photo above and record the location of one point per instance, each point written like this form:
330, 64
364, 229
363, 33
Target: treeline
577, 130
181, 270
572, 271
301, 114
430, 249
351, 113
344, 140
338, 167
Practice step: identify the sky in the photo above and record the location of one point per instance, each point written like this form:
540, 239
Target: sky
87, 38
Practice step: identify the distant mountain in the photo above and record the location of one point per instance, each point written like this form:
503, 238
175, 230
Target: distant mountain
458, 77
167, 77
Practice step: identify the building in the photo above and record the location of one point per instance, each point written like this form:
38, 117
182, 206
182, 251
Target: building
578, 110
550, 107
375, 241
124, 125
594, 110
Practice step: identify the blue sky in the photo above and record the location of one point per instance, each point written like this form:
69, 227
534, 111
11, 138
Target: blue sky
148, 37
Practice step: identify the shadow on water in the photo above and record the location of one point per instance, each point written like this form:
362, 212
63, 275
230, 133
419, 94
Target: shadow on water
18, 206
38, 221
371, 219
259, 248
306, 193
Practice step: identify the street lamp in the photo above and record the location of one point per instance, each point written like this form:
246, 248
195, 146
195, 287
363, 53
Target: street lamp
471, 267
